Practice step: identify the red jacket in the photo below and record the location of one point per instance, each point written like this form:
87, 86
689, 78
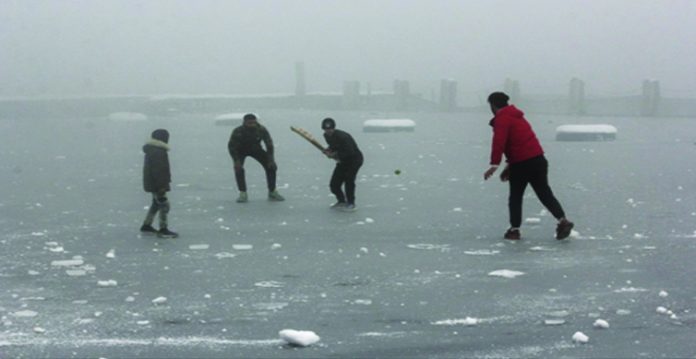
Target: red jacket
513, 136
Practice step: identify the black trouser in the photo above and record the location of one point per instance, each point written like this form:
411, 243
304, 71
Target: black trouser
159, 204
345, 172
264, 159
533, 171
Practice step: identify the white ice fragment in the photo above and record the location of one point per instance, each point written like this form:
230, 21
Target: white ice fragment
68, 263
580, 337
197, 247
601, 324
276, 246
505, 273
111, 254
363, 302
554, 322
130, 299
223, 255
663, 294
482, 252
207, 296
39, 330
33, 272
364, 250
300, 338
159, 300
468, 321
25, 314
143, 322
242, 247
75, 272
56, 249
623, 312
639, 236
269, 284
220, 220
369, 220
107, 283
457, 209
532, 220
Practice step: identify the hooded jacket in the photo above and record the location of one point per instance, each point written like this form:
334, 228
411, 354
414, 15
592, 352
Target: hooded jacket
156, 174
513, 136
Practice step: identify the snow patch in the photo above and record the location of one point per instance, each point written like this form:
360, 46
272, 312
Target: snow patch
302, 338
505, 273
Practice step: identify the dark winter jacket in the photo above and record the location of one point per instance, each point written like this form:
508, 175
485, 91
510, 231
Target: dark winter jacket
156, 174
513, 136
343, 144
246, 140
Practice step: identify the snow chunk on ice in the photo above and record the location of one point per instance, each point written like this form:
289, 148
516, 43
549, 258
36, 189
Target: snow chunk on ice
68, 263
482, 252
468, 321
601, 324
269, 284
242, 247
554, 322
662, 310
111, 254
127, 116
300, 338
39, 330
580, 337
389, 125
198, 247
159, 300
600, 132
25, 314
532, 220
663, 294
223, 255
107, 283
506, 273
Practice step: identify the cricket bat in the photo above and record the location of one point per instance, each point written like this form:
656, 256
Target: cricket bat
308, 136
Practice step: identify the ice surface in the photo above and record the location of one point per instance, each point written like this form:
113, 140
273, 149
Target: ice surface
127, 116
374, 290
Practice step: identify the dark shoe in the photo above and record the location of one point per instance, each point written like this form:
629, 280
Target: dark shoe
146, 228
564, 228
338, 205
275, 196
349, 207
243, 198
513, 234
166, 233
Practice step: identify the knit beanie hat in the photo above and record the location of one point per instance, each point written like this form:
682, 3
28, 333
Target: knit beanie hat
161, 134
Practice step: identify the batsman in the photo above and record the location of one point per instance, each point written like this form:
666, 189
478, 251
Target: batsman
349, 159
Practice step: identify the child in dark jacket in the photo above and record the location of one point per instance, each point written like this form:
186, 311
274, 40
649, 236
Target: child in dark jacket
156, 179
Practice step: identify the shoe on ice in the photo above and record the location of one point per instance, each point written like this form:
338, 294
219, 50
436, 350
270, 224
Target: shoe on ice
338, 205
243, 198
275, 196
146, 228
513, 234
349, 207
166, 233
564, 228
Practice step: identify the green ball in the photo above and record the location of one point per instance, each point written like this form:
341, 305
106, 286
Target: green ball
397, 172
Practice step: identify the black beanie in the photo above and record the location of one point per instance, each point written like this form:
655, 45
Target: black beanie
249, 117
161, 134
328, 124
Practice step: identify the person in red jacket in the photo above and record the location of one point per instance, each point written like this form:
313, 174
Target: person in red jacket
513, 137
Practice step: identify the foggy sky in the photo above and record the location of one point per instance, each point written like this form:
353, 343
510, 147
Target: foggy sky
100, 47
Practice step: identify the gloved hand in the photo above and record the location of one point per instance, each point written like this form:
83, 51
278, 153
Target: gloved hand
161, 197
505, 175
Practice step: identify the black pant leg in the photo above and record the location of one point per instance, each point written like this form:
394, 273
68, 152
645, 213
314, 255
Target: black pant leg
240, 176
518, 183
264, 159
350, 175
337, 179
540, 183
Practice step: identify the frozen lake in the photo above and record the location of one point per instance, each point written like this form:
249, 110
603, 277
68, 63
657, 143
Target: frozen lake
407, 275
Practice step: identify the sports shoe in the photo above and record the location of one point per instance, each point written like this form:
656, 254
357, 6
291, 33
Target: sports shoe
243, 198
564, 228
146, 228
338, 205
166, 233
513, 234
349, 207
275, 196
